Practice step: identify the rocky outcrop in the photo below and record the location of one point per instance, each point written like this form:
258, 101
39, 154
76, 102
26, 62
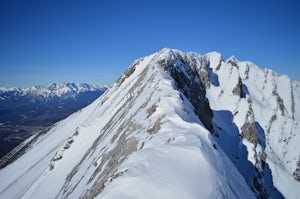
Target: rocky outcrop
293, 102
238, 89
109, 163
197, 99
233, 61
249, 132
184, 72
296, 173
279, 101
127, 73
258, 187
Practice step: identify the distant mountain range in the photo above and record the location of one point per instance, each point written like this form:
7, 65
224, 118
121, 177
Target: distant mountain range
24, 111
55, 90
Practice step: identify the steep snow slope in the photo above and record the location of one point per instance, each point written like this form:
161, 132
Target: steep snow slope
26, 111
263, 108
175, 125
141, 139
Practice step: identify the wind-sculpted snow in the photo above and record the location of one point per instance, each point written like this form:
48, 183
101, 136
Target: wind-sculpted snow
175, 125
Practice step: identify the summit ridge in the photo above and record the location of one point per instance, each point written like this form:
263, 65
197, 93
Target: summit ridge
174, 125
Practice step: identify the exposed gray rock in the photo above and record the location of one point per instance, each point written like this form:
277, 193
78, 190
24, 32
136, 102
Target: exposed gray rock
238, 89
57, 156
185, 72
246, 73
279, 101
204, 78
151, 110
296, 173
219, 65
196, 94
163, 64
232, 60
127, 73
249, 132
258, 187
109, 163
156, 126
293, 102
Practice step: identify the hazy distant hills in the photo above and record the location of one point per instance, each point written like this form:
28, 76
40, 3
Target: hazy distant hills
24, 111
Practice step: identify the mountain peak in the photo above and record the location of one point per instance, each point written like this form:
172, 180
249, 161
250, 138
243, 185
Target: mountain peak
171, 120
168, 50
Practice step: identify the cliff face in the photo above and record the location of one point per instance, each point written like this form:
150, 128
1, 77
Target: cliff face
189, 71
258, 106
170, 121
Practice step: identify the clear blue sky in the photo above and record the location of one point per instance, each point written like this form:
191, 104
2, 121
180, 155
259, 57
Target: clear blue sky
47, 41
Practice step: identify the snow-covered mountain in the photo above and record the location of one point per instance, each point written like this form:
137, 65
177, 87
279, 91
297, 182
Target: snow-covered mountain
25, 111
22, 105
175, 125
59, 90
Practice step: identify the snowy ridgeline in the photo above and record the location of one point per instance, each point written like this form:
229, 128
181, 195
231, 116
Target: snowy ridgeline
175, 125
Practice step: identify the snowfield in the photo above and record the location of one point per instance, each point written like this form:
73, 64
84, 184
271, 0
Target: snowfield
151, 135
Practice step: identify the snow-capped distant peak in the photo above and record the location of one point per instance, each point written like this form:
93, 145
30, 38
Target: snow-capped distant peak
54, 89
